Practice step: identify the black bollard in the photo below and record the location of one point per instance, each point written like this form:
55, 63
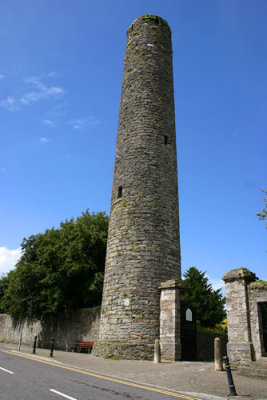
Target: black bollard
20, 340
229, 376
34, 345
52, 347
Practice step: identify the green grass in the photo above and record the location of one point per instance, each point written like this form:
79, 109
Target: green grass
114, 358
210, 330
258, 285
154, 17
107, 357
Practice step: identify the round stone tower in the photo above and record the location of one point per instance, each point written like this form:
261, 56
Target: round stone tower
143, 240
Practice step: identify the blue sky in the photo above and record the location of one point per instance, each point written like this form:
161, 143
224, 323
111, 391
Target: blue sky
60, 78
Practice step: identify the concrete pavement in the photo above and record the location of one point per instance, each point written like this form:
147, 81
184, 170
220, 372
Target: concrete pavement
195, 378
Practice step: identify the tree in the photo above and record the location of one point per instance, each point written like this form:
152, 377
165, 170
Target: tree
60, 269
4, 281
208, 303
263, 214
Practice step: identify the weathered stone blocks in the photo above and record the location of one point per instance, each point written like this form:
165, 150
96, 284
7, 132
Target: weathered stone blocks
170, 319
143, 240
239, 346
247, 333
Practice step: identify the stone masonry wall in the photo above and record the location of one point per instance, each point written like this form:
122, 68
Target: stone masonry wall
84, 325
10, 330
205, 345
237, 320
66, 329
143, 241
240, 348
257, 294
170, 320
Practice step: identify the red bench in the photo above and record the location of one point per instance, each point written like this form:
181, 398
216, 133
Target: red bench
81, 347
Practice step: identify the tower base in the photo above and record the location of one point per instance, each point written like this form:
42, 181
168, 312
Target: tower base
123, 350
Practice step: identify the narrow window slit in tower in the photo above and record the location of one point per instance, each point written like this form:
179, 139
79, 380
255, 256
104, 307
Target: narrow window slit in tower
119, 192
165, 139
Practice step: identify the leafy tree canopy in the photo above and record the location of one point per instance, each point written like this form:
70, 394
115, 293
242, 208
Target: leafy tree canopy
4, 281
200, 296
60, 269
263, 214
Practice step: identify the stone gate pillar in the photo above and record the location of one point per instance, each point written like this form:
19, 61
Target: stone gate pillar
239, 347
171, 295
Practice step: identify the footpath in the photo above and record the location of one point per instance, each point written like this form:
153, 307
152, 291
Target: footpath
197, 379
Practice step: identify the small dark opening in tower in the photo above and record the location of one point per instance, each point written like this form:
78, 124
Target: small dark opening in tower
166, 139
156, 21
119, 192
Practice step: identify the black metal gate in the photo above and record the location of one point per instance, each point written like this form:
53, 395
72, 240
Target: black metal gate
263, 327
188, 334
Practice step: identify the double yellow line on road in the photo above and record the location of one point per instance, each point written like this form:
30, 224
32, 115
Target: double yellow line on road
107, 378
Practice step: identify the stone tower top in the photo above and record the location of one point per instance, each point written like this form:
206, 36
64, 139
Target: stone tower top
149, 17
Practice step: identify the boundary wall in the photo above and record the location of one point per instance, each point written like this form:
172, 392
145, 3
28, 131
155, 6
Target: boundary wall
67, 328
81, 325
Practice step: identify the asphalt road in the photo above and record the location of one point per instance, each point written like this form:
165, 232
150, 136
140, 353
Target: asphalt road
23, 378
